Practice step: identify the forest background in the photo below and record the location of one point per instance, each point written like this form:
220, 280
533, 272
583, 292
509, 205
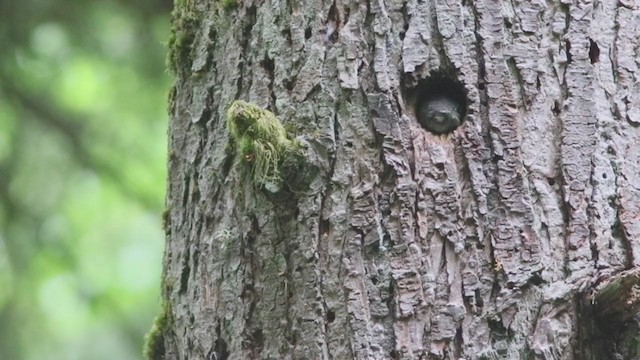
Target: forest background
83, 122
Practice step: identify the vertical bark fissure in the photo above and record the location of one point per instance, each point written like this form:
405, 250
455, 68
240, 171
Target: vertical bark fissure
577, 138
628, 104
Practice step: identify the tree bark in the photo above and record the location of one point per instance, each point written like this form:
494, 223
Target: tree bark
490, 242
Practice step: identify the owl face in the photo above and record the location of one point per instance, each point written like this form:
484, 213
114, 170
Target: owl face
439, 115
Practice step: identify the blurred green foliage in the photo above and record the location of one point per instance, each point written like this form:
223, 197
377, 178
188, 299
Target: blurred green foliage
82, 176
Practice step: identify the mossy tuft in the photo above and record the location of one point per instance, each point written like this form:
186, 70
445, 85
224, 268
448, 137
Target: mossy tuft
183, 33
154, 340
261, 140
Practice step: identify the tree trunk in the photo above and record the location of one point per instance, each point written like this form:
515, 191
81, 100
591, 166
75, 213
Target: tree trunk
492, 241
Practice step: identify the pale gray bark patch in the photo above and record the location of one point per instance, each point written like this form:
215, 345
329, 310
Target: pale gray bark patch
416, 47
406, 245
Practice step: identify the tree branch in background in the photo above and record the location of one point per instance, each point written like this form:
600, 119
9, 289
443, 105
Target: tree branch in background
70, 127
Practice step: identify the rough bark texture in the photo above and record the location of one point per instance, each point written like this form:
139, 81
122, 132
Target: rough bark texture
484, 244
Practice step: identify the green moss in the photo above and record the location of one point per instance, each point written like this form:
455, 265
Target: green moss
154, 340
261, 140
229, 4
165, 220
184, 26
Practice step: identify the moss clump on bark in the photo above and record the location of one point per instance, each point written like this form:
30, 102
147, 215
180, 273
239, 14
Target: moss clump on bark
261, 140
165, 220
154, 340
184, 26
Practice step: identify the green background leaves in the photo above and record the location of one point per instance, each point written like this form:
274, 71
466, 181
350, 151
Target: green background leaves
82, 176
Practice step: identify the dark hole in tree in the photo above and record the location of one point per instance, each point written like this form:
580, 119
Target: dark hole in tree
331, 316
440, 103
594, 52
307, 33
551, 181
